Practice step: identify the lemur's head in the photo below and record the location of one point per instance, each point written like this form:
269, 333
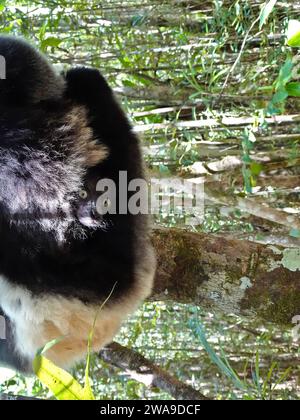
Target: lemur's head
49, 155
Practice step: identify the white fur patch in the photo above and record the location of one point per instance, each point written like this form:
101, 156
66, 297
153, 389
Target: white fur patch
39, 320
2, 328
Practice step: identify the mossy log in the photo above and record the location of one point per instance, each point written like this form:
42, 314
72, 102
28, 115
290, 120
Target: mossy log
231, 276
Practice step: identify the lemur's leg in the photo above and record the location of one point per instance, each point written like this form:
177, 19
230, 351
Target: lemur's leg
8, 356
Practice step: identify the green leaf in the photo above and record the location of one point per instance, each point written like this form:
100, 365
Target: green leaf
60, 382
256, 168
137, 20
285, 74
272, 109
280, 96
87, 393
267, 380
128, 83
293, 33
282, 378
124, 60
221, 362
246, 159
42, 32
51, 41
265, 12
49, 345
163, 169
8, 28
293, 89
247, 180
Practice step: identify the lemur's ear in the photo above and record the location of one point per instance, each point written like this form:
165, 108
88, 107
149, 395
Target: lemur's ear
87, 86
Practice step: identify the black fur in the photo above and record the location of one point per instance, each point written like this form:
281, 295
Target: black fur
29, 77
43, 245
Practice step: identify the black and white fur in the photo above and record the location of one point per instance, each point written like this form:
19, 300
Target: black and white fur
59, 259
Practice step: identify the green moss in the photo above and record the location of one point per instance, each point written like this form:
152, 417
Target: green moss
283, 310
275, 299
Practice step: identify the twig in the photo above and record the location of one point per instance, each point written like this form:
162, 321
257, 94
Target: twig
212, 122
238, 57
9, 397
253, 207
232, 163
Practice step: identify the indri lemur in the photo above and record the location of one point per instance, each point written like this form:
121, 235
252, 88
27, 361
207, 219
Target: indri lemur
59, 257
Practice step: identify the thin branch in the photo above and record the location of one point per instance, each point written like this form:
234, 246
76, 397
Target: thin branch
143, 370
212, 122
253, 207
238, 57
284, 241
232, 163
9, 397
228, 163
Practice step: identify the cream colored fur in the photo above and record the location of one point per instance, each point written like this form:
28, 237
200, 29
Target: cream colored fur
39, 320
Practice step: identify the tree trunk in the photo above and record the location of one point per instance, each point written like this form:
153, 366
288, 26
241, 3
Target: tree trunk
233, 276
